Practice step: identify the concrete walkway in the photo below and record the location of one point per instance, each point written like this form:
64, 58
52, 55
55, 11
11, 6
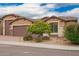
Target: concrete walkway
41, 45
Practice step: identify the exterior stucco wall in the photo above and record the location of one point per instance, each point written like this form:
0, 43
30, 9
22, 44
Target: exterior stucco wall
61, 28
19, 26
9, 18
21, 22
1, 28
71, 22
6, 21
7, 27
52, 20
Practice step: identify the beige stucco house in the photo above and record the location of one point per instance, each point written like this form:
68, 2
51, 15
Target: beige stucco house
15, 25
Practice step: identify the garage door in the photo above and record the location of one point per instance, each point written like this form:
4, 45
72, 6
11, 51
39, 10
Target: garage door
19, 30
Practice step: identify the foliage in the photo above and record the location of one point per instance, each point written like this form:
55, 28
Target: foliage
72, 33
37, 29
27, 37
40, 27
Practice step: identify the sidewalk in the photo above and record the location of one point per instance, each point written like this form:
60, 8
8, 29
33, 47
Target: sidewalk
41, 45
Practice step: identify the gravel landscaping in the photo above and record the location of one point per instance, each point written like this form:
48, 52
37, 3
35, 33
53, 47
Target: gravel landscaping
56, 40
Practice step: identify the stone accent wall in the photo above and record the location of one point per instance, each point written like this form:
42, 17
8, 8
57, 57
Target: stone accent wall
61, 28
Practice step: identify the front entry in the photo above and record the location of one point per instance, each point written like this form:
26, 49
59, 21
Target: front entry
54, 28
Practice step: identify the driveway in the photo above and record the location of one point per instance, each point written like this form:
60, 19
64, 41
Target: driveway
11, 38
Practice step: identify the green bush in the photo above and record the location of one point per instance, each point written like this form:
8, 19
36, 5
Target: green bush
72, 33
27, 37
40, 27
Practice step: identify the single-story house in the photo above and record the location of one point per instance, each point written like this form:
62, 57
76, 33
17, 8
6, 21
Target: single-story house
17, 25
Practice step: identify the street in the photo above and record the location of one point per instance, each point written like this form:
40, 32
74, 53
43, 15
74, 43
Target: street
11, 50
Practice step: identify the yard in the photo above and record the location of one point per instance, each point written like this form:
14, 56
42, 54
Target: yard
53, 40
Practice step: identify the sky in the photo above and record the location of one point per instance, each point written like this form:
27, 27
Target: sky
38, 10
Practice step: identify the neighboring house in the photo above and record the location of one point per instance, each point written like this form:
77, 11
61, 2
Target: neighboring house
17, 25
58, 24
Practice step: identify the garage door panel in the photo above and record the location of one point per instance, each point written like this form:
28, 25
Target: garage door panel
19, 30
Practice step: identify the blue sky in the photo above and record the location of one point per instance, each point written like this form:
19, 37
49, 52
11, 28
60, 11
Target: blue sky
9, 4
40, 9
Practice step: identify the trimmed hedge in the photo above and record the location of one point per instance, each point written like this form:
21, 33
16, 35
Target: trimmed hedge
72, 33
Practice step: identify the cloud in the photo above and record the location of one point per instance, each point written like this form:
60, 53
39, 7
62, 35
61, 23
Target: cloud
50, 5
25, 10
74, 12
37, 11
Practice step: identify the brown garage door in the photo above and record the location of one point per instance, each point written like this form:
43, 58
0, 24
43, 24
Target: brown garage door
19, 30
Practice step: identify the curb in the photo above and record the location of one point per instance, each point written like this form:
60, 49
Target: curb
41, 45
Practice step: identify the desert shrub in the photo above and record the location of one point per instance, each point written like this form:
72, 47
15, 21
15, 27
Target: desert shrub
45, 38
72, 33
27, 37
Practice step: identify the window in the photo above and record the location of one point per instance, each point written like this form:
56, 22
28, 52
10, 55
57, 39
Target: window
54, 27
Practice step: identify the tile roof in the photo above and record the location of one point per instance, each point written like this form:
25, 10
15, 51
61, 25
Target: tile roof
63, 18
